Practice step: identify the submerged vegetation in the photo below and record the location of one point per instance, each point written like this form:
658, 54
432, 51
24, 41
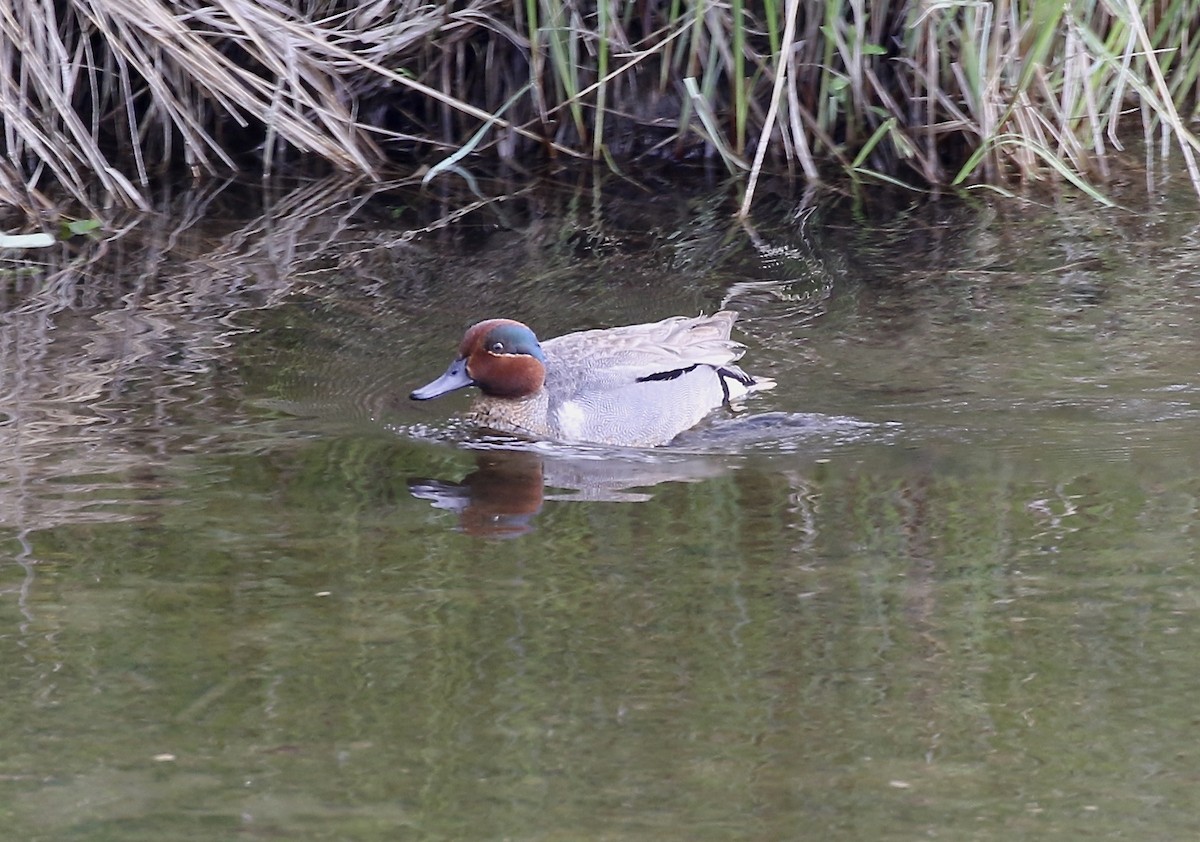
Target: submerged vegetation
101, 97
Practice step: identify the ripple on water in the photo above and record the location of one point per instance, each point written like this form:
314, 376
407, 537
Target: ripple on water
784, 432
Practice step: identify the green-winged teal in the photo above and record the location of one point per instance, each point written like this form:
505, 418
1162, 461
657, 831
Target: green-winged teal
634, 386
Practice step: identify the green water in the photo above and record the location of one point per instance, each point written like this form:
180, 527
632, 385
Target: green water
942, 582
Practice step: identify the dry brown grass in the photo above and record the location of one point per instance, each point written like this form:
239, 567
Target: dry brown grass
101, 97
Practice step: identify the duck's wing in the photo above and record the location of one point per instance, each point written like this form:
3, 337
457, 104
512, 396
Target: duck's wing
605, 360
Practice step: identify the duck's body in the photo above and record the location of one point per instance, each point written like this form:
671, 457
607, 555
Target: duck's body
634, 386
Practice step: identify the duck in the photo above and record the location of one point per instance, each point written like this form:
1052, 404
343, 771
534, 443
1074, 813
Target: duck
632, 386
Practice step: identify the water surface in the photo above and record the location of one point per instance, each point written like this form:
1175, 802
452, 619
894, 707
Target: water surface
942, 581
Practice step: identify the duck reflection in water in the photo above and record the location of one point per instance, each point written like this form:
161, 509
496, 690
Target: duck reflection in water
503, 495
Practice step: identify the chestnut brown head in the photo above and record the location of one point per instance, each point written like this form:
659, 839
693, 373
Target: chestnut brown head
500, 356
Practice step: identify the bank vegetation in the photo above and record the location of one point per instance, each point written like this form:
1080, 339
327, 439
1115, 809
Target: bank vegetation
103, 98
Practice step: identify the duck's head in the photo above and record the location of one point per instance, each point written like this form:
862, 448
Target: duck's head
500, 356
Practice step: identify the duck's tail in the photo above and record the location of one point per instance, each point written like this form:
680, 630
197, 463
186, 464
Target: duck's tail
736, 384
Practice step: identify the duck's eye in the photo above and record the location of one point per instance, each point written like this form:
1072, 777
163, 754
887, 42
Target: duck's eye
496, 347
